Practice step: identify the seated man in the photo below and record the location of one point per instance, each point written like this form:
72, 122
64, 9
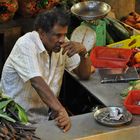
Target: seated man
33, 72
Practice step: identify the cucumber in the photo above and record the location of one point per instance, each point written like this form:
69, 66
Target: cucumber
117, 31
109, 39
109, 32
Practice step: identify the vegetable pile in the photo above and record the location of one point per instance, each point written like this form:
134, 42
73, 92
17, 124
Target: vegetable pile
13, 120
133, 19
132, 85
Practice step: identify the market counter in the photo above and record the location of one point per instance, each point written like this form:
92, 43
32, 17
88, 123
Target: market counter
84, 125
107, 93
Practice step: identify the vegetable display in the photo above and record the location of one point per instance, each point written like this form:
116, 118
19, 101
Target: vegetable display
132, 86
13, 121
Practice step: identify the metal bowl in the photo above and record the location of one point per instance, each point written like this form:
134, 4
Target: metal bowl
104, 116
90, 10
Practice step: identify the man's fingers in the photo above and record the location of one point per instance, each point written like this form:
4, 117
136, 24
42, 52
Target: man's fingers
66, 49
71, 52
61, 120
65, 44
67, 127
63, 123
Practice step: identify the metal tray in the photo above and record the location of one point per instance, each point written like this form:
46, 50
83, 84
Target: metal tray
90, 10
103, 116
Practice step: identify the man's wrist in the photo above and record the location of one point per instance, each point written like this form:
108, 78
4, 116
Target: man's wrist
83, 53
85, 56
60, 109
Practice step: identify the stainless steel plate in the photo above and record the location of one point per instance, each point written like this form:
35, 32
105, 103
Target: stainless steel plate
103, 116
90, 10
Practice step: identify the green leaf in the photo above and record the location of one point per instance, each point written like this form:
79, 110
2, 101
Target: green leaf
7, 102
22, 114
3, 104
132, 83
5, 116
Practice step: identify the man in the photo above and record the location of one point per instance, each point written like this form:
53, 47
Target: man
32, 74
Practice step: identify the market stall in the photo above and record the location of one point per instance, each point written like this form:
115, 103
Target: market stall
83, 98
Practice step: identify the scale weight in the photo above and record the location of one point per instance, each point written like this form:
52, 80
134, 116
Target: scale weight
99, 27
91, 12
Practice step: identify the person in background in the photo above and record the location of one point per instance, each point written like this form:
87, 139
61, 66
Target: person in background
32, 74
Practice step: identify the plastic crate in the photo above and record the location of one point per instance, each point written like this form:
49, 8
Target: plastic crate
132, 101
105, 57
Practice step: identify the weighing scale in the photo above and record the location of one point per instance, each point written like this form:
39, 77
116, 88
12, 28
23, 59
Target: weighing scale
92, 30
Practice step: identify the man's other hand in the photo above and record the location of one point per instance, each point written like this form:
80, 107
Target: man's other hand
63, 121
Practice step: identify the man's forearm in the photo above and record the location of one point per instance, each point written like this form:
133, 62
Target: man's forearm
45, 93
84, 69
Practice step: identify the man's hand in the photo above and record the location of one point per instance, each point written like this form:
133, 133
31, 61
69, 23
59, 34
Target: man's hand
63, 121
72, 48
47, 96
83, 71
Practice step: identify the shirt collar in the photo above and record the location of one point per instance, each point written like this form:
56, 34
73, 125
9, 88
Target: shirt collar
38, 41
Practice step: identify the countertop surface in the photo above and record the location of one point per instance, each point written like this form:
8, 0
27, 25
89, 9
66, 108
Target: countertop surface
85, 124
82, 126
107, 93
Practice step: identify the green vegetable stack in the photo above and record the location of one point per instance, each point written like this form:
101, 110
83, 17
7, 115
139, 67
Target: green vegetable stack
11, 111
133, 85
115, 31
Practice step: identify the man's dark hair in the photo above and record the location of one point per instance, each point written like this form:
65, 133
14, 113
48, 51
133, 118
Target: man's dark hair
48, 19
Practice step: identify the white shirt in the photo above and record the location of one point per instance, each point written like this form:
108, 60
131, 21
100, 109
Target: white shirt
29, 59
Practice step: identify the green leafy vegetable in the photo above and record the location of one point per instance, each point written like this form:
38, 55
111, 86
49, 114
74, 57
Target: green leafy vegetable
5, 116
3, 104
132, 85
11, 111
21, 114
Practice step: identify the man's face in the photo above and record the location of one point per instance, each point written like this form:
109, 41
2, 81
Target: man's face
55, 38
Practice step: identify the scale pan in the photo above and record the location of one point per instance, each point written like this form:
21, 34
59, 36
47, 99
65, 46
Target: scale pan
90, 10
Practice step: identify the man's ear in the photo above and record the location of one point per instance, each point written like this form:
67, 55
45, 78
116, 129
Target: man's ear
42, 34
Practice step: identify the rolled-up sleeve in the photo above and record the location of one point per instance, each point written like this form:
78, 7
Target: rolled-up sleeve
72, 62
